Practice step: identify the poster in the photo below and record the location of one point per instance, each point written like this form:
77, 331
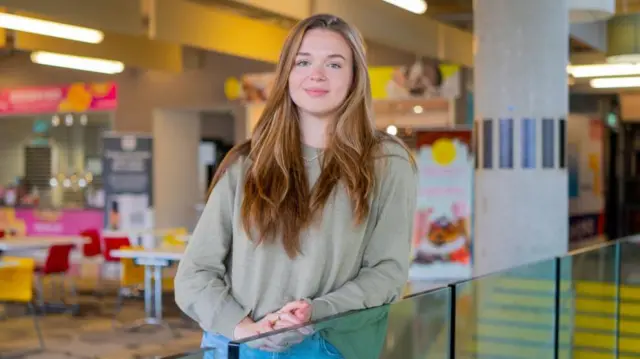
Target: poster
77, 97
585, 149
442, 239
422, 79
127, 176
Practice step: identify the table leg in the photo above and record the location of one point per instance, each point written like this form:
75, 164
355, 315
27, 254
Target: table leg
148, 292
157, 277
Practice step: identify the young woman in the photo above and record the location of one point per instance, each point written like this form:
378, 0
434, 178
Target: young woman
313, 216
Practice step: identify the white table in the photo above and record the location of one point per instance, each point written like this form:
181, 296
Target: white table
7, 264
137, 236
28, 243
153, 260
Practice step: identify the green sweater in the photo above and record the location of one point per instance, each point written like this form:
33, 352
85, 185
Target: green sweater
224, 277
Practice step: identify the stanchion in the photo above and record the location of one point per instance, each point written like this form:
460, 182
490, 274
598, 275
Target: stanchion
617, 280
558, 308
452, 322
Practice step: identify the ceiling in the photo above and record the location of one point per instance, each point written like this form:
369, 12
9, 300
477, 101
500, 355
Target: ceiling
459, 13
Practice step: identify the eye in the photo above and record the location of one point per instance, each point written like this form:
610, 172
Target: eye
335, 66
302, 63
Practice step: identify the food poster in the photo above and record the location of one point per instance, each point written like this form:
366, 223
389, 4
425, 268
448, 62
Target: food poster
442, 238
586, 179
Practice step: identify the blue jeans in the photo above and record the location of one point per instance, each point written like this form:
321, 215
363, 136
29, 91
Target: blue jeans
312, 347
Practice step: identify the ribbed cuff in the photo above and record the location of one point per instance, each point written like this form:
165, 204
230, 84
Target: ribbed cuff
229, 317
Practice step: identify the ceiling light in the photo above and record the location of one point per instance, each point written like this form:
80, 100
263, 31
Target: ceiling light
50, 28
600, 70
615, 82
417, 109
392, 130
414, 6
77, 62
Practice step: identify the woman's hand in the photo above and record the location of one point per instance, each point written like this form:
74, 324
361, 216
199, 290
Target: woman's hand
275, 321
300, 309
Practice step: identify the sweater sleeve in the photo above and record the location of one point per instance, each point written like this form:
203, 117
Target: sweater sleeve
202, 288
385, 266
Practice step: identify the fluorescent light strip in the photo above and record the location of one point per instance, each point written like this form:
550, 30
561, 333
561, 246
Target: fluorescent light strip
601, 70
615, 82
50, 28
414, 6
77, 62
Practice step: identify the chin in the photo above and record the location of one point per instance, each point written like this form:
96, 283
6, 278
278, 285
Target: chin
319, 111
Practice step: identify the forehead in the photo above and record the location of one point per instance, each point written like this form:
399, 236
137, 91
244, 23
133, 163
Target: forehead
324, 42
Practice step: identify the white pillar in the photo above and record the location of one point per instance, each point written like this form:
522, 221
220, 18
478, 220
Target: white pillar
521, 201
176, 136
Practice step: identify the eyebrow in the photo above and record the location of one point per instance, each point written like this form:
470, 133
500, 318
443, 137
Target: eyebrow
330, 56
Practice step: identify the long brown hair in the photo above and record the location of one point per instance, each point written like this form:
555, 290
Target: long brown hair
277, 200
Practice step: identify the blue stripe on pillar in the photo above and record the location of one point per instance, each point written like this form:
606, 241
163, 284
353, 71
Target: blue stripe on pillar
487, 143
528, 143
562, 139
506, 142
476, 149
547, 143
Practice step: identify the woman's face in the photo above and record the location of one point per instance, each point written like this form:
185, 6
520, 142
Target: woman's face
322, 73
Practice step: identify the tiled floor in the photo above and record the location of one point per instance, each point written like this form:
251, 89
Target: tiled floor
91, 333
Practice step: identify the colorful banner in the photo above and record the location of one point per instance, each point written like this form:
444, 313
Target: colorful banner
34, 222
442, 234
585, 147
77, 97
419, 80
127, 177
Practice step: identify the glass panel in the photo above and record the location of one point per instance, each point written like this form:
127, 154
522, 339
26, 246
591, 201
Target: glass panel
416, 327
588, 300
629, 295
507, 315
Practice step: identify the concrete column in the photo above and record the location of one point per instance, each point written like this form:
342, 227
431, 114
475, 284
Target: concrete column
521, 103
176, 136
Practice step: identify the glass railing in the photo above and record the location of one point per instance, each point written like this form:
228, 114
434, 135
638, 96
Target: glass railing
416, 327
583, 305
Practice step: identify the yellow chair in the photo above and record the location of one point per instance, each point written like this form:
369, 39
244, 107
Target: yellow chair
173, 237
16, 286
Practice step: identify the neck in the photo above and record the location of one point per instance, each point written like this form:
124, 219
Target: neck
313, 130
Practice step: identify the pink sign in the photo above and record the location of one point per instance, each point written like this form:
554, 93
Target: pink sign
59, 223
77, 97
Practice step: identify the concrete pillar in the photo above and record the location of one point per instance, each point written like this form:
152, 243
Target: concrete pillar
176, 136
521, 103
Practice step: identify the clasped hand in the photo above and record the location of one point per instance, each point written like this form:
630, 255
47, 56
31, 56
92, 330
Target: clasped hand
291, 315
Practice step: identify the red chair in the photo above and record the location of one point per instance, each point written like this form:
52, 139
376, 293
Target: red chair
1, 233
55, 266
93, 248
112, 244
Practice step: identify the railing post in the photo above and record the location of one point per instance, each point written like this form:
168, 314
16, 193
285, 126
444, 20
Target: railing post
452, 321
233, 351
558, 308
617, 281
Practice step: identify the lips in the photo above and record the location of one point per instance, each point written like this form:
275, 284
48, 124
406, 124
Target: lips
314, 92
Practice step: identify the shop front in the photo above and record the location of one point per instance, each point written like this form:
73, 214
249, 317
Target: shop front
51, 157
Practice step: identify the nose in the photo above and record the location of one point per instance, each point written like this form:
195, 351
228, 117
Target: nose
317, 74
